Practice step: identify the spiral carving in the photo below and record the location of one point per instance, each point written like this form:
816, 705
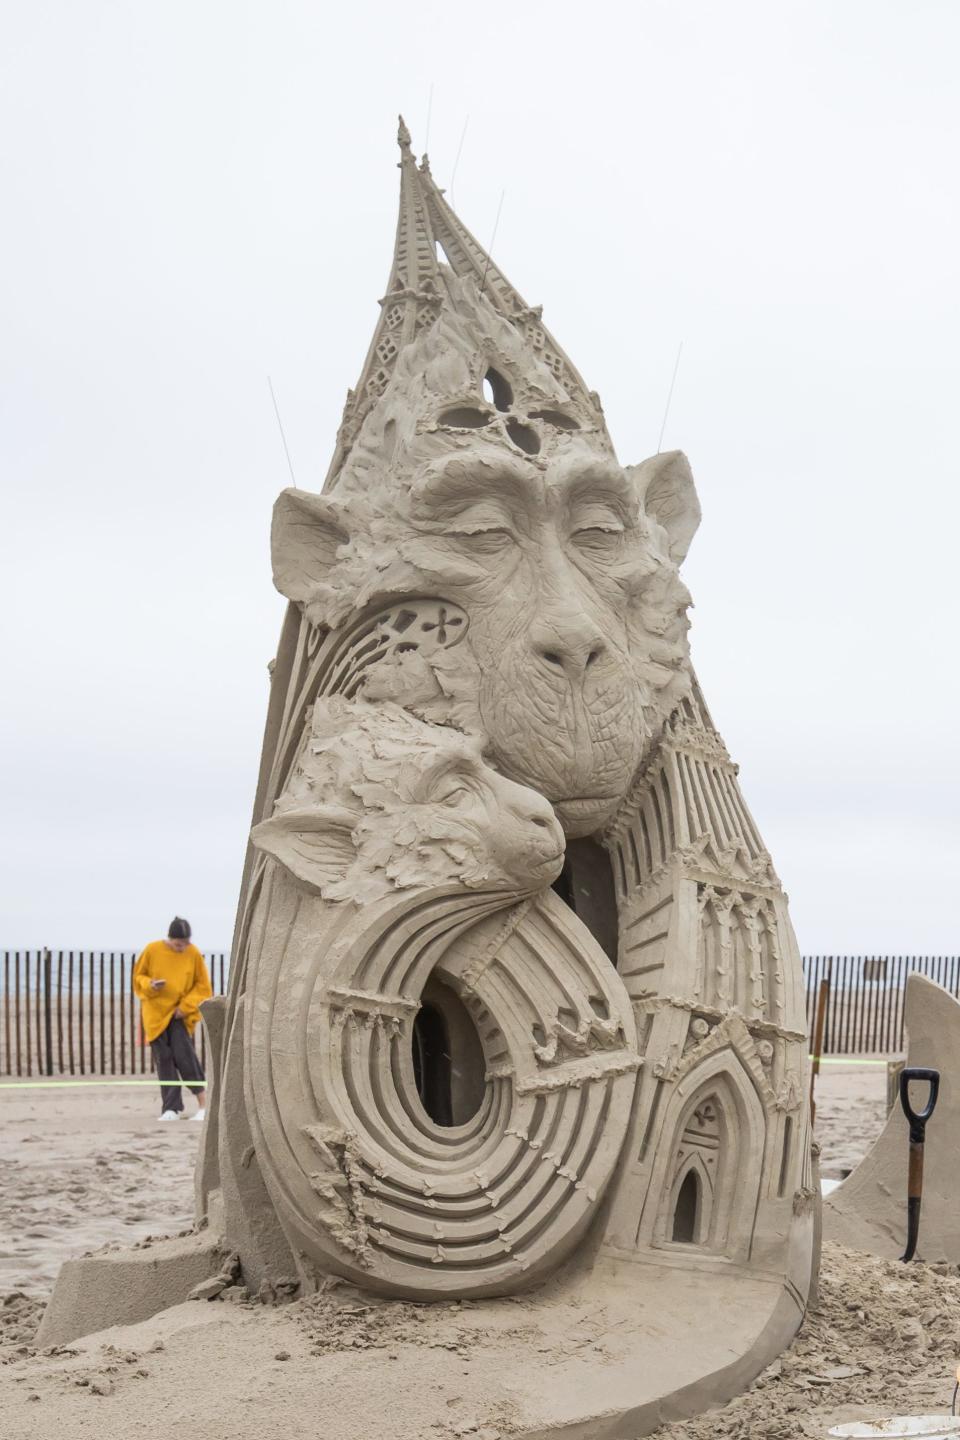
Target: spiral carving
364, 1181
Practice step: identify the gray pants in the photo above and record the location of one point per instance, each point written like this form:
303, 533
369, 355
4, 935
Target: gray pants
174, 1055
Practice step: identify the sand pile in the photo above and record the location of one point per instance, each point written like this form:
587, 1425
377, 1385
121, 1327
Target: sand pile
885, 1340
19, 1318
342, 1318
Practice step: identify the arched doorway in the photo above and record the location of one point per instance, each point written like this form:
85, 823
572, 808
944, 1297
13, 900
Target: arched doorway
686, 1210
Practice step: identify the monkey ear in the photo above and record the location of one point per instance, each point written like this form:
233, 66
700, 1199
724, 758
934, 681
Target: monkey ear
665, 485
315, 846
306, 534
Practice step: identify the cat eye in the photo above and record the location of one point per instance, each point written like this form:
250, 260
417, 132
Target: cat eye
458, 796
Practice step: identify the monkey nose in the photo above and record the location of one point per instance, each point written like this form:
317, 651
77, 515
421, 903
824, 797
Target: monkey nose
572, 661
567, 650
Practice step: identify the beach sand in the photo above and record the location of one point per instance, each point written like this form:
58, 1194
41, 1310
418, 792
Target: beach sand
851, 1104
83, 1167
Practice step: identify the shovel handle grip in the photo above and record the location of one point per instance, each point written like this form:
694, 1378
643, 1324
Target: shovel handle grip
918, 1118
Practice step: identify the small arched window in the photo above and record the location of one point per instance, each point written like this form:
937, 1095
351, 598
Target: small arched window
497, 389
686, 1214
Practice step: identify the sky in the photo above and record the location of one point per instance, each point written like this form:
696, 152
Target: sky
199, 195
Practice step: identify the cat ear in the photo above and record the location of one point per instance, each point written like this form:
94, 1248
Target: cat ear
665, 486
314, 845
306, 534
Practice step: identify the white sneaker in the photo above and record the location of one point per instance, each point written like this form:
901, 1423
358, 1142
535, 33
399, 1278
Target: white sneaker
199, 1116
169, 1115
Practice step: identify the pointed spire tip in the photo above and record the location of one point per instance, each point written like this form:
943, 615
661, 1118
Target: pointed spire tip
403, 134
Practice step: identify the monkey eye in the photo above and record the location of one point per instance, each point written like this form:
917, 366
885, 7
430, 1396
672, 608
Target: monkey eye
488, 541
591, 519
596, 536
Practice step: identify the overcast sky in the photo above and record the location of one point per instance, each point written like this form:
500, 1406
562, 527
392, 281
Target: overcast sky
198, 194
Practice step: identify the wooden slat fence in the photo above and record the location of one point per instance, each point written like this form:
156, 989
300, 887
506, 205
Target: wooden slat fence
864, 1012
73, 1012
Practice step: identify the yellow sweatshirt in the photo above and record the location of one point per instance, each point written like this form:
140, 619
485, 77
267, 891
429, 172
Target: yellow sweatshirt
187, 984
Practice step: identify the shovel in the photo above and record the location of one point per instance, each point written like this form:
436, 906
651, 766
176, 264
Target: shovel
918, 1128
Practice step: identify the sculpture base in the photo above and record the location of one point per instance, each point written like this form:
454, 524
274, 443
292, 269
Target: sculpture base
608, 1355
123, 1287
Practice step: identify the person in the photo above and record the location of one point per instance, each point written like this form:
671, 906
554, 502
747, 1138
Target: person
170, 980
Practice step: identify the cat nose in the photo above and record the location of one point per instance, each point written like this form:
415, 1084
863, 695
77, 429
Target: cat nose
532, 810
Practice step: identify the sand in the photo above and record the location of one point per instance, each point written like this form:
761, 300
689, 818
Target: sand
84, 1167
851, 1112
885, 1340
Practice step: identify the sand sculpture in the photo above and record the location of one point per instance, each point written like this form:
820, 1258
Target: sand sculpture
869, 1211
513, 981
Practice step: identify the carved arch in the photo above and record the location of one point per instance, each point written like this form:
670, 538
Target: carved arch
692, 1169
738, 1131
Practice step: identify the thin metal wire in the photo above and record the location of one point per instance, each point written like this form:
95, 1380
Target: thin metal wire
286, 451
453, 177
673, 381
426, 138
493, 237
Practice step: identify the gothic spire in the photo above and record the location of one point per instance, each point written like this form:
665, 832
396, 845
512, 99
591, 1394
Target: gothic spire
417, 289
466, 256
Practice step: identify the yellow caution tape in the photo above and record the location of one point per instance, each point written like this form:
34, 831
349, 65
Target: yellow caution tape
67, 1084
201, 1084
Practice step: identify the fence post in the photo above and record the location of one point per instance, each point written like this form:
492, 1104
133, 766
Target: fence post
27, 1012
823, 996
113, 1017
103, 1019
60, 1012
6, 1009
48, 1010
16, 1004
